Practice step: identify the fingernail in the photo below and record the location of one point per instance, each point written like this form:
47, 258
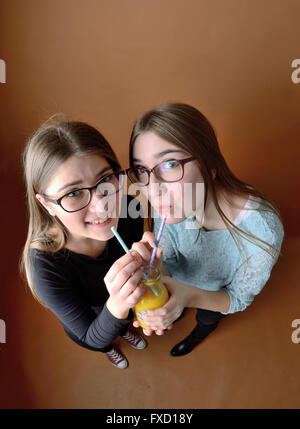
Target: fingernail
144, 312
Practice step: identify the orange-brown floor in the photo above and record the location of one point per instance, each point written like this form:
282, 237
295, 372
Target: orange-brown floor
250, 361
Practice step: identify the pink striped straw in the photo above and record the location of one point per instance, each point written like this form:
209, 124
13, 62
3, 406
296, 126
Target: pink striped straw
157, 243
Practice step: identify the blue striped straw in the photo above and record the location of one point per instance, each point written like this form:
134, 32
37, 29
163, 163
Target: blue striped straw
120, 240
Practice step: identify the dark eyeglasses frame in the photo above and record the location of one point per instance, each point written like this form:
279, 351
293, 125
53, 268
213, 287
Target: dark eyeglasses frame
152, 170
58, 202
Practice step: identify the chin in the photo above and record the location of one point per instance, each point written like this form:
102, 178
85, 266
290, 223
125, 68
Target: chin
173, 215
172, 220
103, 236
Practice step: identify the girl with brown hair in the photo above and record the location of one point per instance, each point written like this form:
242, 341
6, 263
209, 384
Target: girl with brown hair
222, 236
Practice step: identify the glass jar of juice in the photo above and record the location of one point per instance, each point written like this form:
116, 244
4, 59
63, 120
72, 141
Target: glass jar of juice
151, 299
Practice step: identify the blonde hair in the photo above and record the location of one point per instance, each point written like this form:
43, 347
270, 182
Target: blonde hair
53, 143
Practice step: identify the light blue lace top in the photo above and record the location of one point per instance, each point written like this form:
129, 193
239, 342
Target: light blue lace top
214, 261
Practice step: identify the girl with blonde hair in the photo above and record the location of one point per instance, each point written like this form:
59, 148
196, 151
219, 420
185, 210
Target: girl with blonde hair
73, 263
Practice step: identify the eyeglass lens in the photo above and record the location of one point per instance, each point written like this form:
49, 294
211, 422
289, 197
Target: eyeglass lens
78, 199
169, 171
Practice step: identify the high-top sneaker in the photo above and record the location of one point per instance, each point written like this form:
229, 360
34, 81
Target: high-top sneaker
135, 340
117, 359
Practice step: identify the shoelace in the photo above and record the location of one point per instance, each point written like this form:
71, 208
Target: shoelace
115, 356
132, 338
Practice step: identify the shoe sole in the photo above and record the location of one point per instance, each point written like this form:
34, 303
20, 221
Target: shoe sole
119, 367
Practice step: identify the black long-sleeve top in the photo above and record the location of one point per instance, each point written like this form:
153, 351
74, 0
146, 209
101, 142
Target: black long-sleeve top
71, 285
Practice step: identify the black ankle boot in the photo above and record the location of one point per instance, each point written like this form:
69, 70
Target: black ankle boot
196, 336
185, 346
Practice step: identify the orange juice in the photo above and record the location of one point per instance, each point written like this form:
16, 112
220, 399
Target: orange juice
149, 301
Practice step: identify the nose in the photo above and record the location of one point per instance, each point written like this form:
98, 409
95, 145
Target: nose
155, 186
98, 203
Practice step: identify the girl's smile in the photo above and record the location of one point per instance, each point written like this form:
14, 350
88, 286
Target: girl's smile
100, 222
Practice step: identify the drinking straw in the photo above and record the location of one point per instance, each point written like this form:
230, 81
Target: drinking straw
120, 240
156, 244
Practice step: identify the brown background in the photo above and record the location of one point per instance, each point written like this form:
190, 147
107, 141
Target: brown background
105, 62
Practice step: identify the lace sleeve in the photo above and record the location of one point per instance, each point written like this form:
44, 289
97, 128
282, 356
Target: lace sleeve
249, 280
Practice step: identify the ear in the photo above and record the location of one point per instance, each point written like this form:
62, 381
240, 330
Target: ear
45, 204
213, 173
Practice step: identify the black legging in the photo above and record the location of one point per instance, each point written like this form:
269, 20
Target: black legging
207, 321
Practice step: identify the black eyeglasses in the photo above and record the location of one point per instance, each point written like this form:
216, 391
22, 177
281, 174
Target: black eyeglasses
80, 198
166, 171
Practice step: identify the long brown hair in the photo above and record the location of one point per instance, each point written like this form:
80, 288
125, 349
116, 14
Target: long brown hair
53, 143
187, 128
